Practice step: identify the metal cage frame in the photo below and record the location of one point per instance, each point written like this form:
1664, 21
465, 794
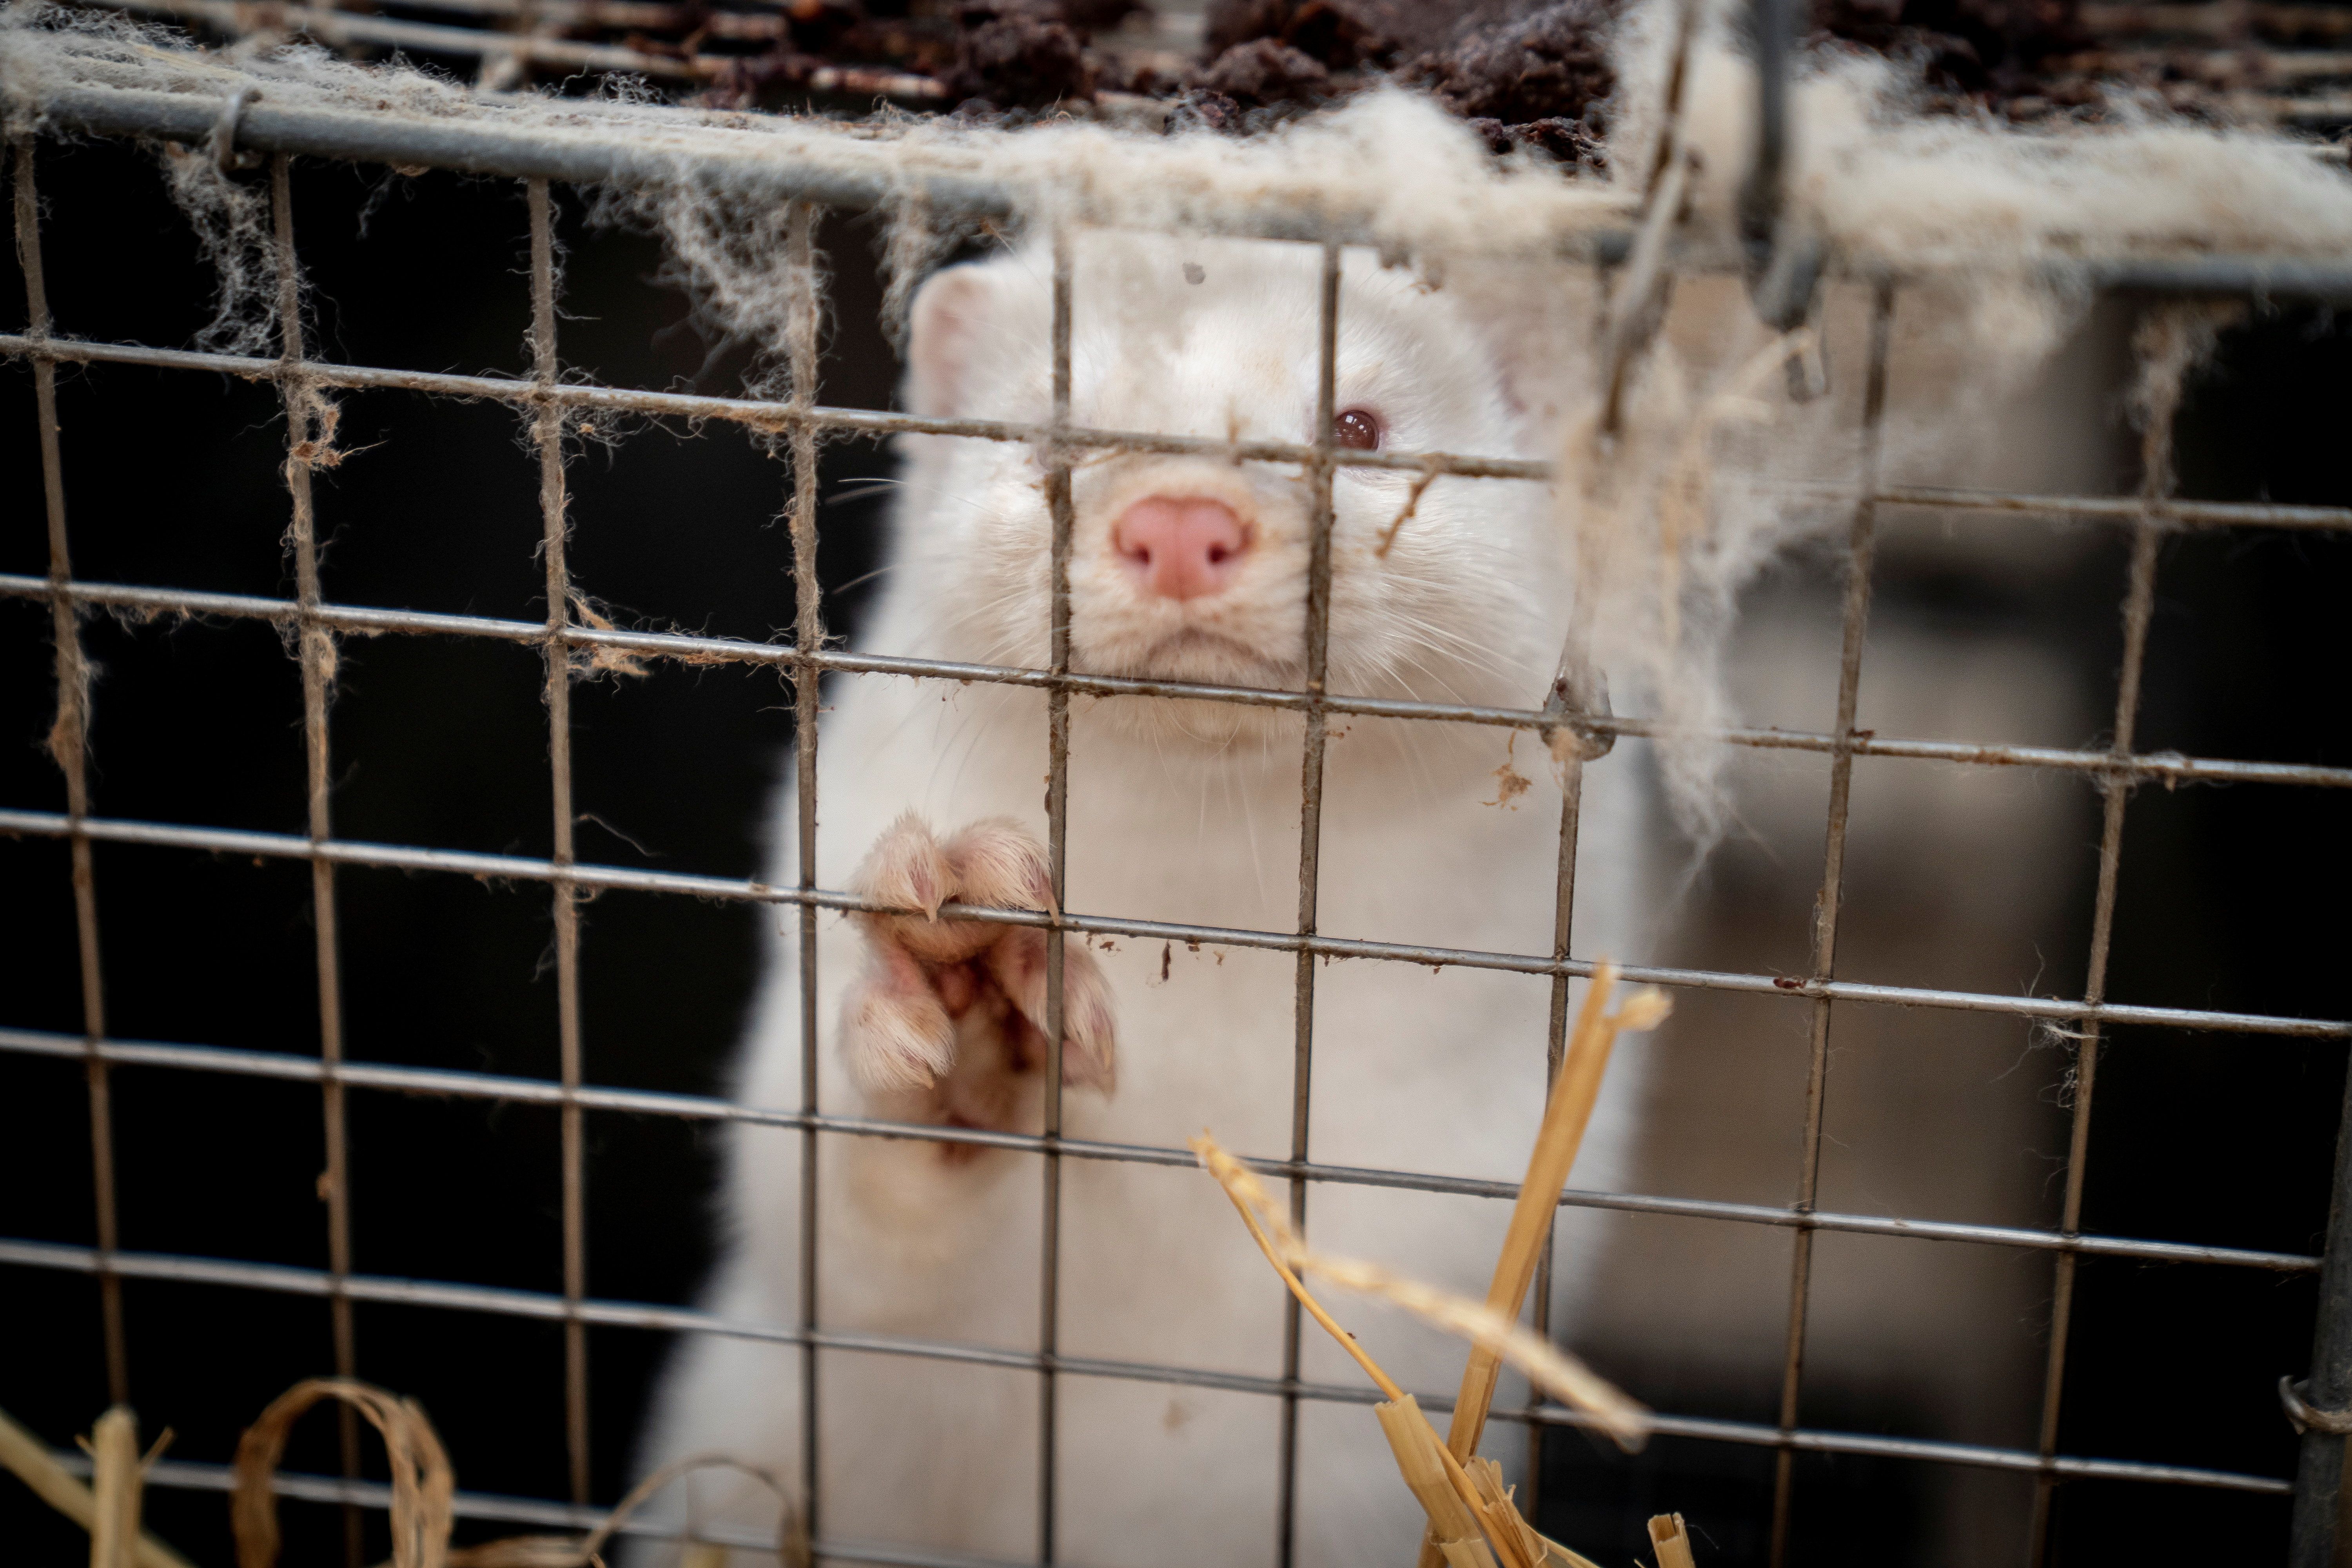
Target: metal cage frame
310, 623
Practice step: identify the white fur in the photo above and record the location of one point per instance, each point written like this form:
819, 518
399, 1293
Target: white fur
1185, 814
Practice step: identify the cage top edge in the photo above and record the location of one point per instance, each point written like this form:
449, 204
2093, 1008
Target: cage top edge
611, 158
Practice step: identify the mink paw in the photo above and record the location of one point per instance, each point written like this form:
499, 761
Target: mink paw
951, 1011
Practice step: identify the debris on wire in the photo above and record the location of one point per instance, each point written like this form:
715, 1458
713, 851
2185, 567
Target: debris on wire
1473, 1520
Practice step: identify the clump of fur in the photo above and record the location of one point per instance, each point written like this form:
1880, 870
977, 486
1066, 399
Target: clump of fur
1991, 217
232, 226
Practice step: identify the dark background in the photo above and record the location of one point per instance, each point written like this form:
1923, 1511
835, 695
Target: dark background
2230, 897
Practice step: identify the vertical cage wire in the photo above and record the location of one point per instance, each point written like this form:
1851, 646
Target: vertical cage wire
1861, 552
1564, 699
2115, 787
70, 745
315, 651
1563, 920
1318, 475
1563, 923
1058, 843
547, 434
808, 640
2317, 1524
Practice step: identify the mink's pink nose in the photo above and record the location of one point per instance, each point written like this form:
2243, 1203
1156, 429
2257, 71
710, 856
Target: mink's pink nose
1182, 546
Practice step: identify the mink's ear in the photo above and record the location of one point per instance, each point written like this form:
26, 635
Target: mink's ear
947, 324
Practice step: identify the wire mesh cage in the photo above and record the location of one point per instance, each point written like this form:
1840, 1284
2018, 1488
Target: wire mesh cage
225, 121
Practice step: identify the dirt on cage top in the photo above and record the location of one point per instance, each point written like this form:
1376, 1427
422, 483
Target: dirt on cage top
1525, 74
1533, 74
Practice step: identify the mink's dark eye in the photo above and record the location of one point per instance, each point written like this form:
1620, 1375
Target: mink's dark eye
1358, 428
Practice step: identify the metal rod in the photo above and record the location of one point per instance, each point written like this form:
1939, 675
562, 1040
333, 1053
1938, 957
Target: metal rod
542, 1307
1573, 687
540, 1091
69, 744
1563, 923
1861, 549
803, 313
2166, 767
69, 748
2318, 1517
2139, 600
770, 415
314, 650
765, 415
646, 1102
696, 150
517, 868
547, 434
1058, 835
751, 165
1761, 192
1318, 649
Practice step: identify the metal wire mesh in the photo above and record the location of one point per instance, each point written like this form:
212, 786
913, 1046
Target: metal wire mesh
549, 401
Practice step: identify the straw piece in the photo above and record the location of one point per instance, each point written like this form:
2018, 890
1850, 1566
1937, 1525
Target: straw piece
1488, 1476
1249, 1198
520, 1551
1548, 1367
1415, 1443
28, 1458
792, 1539
587, 1551
115, 1480
1671, 1541
1457, 1508
1566, 1114
1418, 1446
423, 1488
1563, 1556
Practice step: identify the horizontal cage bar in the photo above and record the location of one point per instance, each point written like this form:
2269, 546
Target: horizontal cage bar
613, 155
617, 1314
492, 1508
704, 1107
514, 867
2164, 767
870, 423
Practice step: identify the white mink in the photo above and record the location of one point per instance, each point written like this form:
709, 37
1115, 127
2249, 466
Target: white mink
1193, 568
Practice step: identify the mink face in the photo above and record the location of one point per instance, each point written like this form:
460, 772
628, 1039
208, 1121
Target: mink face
1195, 567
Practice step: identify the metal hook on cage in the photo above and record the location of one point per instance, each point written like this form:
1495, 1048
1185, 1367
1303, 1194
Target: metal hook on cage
2304, 1417
1783, 256
226, 157
1635, 307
